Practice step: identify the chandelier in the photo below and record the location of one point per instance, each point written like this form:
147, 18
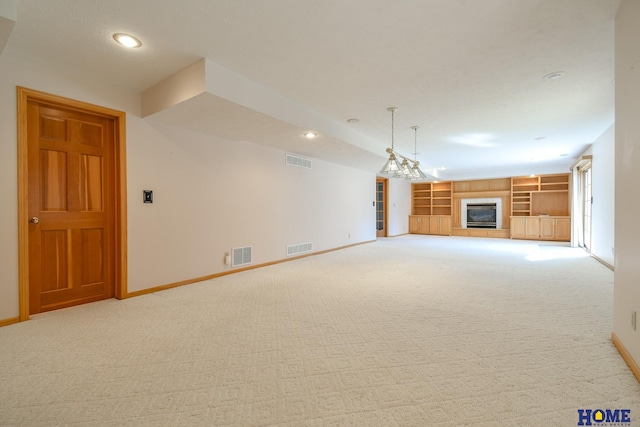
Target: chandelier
402, 169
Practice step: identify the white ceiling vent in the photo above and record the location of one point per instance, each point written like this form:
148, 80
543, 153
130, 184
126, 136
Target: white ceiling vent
298, 161
300, 248
242, 256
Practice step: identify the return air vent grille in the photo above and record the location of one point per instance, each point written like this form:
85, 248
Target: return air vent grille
298, 249
298, 161
242, 256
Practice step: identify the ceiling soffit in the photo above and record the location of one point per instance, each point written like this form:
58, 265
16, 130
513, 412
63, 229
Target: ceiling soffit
212, 100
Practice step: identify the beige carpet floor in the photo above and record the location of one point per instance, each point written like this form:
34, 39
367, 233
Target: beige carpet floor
407, 331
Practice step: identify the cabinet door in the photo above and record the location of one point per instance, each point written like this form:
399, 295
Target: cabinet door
445, 226
434, 225
532, 228
547, 228
414, 224
563, 229
517, 228
424, 225
418, 224
440, 225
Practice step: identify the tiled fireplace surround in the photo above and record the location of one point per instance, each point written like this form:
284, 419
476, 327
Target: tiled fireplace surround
496, 200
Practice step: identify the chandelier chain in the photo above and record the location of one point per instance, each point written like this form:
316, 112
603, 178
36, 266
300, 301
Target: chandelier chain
393, 110
415, 141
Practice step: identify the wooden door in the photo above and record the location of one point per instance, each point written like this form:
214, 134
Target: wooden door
71, 203
381, 207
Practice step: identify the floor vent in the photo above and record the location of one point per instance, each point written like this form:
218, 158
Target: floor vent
298, 249
298, 161
242, 256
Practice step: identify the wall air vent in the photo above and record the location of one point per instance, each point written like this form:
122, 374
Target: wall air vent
298, 249
242, 256
298, 161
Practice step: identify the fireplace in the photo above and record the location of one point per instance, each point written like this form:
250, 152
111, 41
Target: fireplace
481, 215
492, 201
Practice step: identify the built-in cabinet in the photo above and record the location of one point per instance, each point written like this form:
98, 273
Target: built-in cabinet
440, 225
481, 189
430, 224
541, 207
555, 229
431, 208
541, 228
533, 207
540, 195
525, 228
419, 224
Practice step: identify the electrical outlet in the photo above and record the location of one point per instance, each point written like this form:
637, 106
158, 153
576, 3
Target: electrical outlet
633, 320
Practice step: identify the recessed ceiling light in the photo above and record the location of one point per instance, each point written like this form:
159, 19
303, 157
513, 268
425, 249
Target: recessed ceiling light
540, 138
310, 135
127, 40
353, 120
563, 155
555, 75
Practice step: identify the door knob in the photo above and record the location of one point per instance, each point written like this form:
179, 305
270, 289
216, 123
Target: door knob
34, 220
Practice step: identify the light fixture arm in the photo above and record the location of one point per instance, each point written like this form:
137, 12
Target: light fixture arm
392, 151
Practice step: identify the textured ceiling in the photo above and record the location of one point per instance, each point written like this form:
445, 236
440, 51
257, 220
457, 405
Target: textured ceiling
468, 72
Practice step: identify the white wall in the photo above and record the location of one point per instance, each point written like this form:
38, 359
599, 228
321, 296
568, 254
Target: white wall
627, 134
212, 195
399, 206
209, 195
603, 193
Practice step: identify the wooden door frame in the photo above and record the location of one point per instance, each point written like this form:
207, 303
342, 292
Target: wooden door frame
385, 207
23, 96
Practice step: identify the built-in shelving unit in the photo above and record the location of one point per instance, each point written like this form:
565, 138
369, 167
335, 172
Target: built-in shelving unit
430, 208
540, 207
540, 195
521, 189
421, 199
441, 198
527, 201
431, 198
